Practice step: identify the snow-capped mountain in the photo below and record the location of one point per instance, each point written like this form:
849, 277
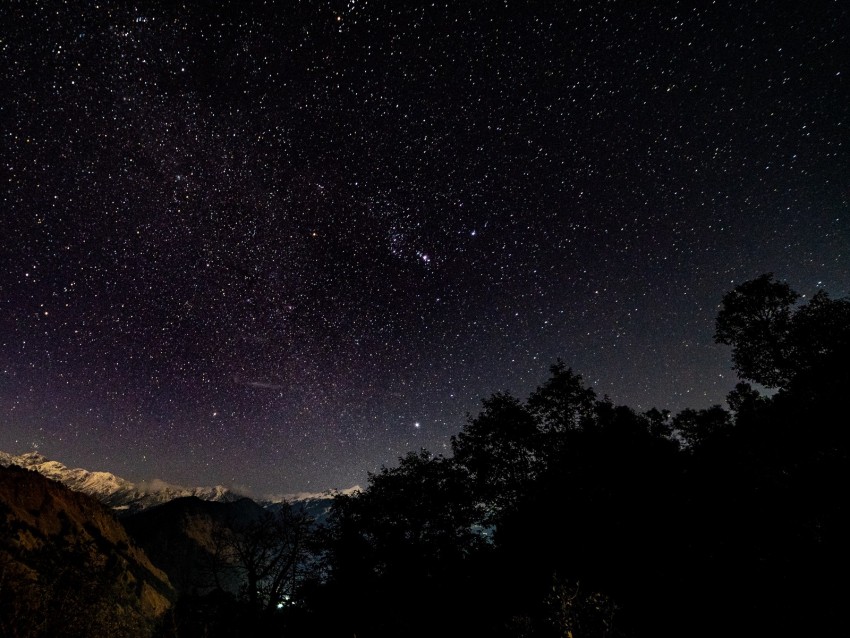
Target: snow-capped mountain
127, 497
316, 504
112, 490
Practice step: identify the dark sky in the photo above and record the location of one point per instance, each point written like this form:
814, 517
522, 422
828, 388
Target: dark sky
277, 245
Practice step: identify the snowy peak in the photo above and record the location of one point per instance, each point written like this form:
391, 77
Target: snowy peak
113, 490
312, 496
316, 504
101, 485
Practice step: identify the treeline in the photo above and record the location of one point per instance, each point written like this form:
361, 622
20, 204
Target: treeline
566, 515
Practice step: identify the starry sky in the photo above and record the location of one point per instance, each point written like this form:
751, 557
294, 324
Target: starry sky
276, 245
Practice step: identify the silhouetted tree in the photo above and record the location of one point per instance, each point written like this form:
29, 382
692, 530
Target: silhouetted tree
576, 611
775, 344
398, 550
754, 319
659, 423
819, 340
695, 427
501, 449
271, 553
744, 400
562, 403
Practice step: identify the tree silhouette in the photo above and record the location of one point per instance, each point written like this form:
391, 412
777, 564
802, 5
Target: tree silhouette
778, 345
271, 553
562, 403
399, 550
501, 449
606, 521
696, 427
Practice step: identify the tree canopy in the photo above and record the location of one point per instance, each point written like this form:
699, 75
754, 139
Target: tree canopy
777, 342
595, 519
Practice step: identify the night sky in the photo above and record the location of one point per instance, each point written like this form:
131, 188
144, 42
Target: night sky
278, 245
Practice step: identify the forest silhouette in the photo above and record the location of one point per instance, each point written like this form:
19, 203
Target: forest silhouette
567, 515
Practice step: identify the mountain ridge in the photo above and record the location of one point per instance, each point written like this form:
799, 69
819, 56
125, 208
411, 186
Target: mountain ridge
127, 497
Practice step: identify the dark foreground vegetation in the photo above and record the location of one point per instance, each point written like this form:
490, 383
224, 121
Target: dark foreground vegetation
566, 515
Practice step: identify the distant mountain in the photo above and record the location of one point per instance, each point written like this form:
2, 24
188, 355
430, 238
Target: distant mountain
315, 504
68, 566
114, 491
126, 497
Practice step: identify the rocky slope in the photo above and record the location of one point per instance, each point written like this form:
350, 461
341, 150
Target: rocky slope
68, 566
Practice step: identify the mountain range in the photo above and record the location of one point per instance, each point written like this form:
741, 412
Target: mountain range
126, 497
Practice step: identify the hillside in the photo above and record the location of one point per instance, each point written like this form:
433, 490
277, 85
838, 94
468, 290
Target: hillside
68, 567
181, 536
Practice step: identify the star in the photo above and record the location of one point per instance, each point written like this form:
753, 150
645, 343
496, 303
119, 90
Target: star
252, 210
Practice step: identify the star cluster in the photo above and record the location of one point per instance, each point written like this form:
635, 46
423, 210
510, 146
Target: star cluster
276, 245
